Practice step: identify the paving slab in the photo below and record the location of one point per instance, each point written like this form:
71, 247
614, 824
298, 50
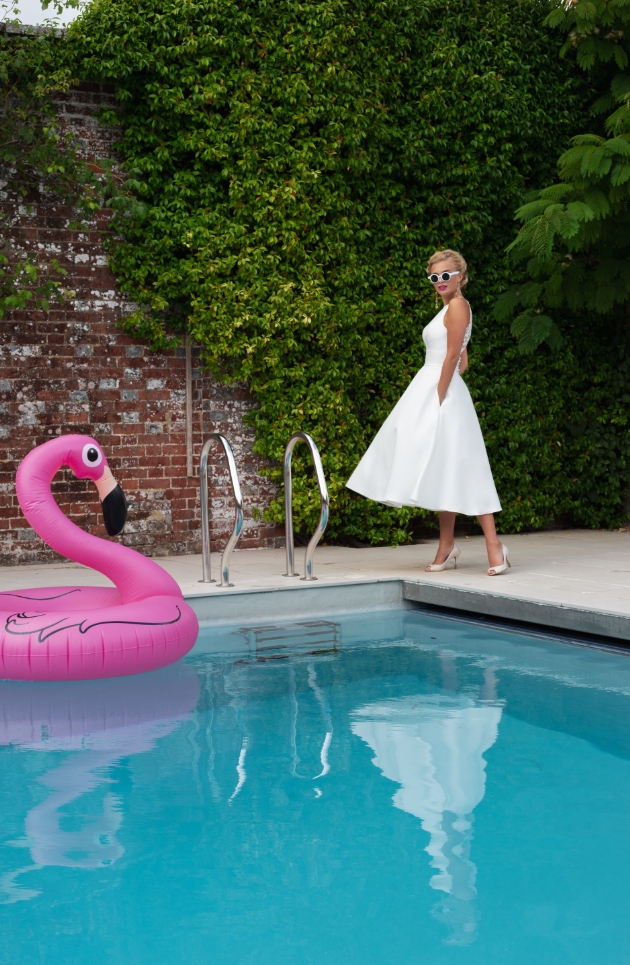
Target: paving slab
577, 580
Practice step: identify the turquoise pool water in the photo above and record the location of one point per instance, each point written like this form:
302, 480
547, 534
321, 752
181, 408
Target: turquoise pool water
423, 792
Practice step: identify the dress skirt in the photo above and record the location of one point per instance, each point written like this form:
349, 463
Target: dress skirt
430, 455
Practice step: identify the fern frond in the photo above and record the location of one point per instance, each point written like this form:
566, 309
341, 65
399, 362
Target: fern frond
595, 161
554, 289
620, 86
533, 330
603, 104
581, 140
530, 293
522, 324
585, 10
618, 146
619, 120
596, 202
543, 236
505, 304
555, 18
534, 209
544, 328
620, 174
556, 192
586, 55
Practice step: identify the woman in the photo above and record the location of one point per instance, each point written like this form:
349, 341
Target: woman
429, 452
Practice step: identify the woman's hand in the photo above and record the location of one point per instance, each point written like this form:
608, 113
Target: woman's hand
456, 322
463, 365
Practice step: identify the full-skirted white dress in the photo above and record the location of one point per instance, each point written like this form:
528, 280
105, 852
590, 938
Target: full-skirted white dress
426, 454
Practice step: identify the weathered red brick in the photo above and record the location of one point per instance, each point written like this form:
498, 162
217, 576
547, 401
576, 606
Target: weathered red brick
66, 370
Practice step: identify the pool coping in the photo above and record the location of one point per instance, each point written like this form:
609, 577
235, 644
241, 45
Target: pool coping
573, 619
360, 596
297, 602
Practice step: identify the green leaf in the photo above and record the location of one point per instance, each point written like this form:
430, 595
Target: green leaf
533, 330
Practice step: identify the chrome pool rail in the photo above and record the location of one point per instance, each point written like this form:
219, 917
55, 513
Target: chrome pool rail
205, 510
288, 505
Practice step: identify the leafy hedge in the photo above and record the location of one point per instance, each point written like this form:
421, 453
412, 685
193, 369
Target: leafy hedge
297, 162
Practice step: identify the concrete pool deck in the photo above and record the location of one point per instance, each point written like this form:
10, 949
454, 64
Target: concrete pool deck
572, 580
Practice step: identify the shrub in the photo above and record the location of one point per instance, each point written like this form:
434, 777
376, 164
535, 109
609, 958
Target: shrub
297, 163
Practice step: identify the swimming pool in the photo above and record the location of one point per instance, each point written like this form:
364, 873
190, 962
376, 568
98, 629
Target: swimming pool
419, 790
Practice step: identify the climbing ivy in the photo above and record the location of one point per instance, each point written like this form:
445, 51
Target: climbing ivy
39, 158
34, 158
297, 162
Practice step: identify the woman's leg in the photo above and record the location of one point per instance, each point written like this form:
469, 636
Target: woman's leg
447, 536
493, 543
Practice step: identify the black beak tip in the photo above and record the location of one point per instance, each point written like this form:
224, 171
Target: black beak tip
115, 511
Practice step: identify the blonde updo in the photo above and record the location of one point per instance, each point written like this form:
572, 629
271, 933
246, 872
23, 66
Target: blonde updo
448, 255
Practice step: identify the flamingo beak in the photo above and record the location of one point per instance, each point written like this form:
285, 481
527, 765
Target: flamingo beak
115, 511
113, 503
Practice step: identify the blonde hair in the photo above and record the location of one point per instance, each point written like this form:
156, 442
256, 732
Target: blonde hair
458, 260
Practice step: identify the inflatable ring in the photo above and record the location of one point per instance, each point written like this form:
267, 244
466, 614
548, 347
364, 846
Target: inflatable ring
81, 632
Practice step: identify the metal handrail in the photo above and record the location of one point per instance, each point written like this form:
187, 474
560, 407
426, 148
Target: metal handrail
205, 510
288, 505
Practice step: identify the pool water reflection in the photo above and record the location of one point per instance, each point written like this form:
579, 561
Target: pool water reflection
433, 747
431, 792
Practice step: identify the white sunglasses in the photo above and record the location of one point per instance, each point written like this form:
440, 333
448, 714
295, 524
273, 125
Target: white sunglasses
445, 276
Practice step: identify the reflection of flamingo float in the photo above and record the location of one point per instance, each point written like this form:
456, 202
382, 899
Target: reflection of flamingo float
79, 632
433, 746
102, 722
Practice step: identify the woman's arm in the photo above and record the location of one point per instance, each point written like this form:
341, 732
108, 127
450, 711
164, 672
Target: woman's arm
456, 322
464, 363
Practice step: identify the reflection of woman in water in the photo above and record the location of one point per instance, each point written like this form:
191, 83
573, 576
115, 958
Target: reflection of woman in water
433, 746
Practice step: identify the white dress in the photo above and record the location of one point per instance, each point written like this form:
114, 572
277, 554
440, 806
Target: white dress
426, 454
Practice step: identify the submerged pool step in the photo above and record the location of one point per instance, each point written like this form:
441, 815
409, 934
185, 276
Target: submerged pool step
313, 636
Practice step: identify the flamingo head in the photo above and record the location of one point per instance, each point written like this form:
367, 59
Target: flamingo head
87, 460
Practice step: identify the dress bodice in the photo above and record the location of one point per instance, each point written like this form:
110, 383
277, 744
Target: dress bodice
435, 339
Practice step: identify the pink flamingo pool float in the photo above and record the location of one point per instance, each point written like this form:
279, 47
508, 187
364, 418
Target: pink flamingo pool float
85, 632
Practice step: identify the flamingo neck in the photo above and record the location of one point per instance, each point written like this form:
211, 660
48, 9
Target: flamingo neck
135, 576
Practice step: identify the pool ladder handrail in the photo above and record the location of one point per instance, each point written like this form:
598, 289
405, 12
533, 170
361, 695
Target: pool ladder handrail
288, 505
205, 510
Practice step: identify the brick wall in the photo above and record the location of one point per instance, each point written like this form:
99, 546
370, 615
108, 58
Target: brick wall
71, 370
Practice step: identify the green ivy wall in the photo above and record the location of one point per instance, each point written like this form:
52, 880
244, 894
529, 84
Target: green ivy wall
295, 163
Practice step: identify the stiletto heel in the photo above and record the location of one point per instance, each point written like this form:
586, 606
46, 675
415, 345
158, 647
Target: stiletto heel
452, 557
495, 570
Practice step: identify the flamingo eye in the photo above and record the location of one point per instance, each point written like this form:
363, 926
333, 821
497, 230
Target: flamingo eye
91, 455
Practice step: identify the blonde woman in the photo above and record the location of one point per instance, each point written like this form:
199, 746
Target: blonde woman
429, 452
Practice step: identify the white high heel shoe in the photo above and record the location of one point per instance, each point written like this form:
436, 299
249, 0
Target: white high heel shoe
495, 570
453, 556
